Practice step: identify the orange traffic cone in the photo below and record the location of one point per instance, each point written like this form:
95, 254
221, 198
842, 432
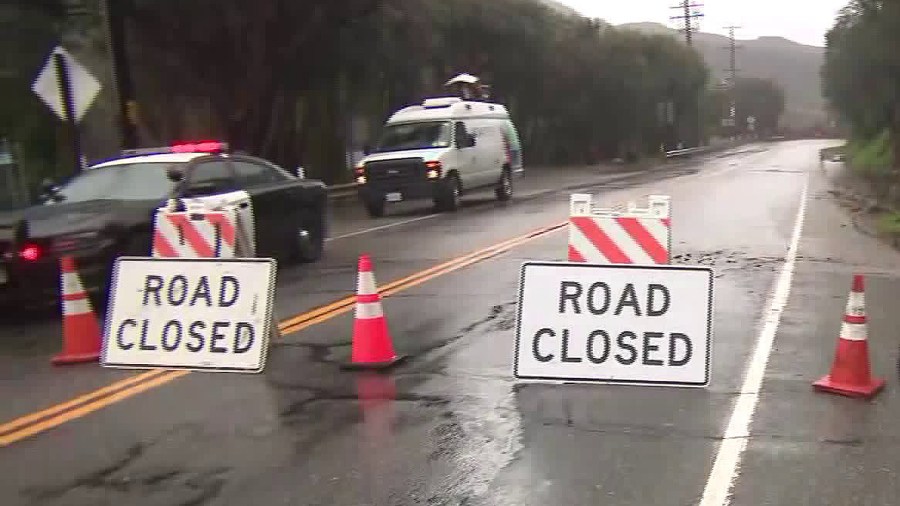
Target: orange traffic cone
372, 348
81, 331
851, 373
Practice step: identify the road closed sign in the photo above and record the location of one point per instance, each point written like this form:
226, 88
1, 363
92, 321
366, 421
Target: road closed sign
190, 313
614, 323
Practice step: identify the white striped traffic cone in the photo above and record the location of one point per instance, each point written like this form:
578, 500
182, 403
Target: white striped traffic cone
81, 330
372, 347
851, 373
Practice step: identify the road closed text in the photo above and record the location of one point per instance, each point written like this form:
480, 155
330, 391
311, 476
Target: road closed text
210, 314
184, 332
614, 323
651, 348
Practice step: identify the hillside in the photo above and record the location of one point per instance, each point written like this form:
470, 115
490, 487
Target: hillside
794, 66
560, 8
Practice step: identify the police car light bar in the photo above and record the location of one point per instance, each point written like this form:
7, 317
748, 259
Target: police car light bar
186, 147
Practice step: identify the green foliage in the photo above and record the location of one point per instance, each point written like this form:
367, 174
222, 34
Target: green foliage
860, 77
872, 156
285, 79
889, 224
282, 78
762, 99
28, 31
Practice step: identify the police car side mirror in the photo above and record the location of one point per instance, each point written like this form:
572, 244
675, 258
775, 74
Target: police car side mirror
367, 150
49, 191
201, 189
175, 175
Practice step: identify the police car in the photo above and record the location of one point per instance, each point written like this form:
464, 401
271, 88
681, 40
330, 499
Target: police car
107, 211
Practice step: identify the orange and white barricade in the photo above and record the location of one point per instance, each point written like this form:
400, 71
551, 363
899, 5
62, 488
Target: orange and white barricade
201, 232
620, 236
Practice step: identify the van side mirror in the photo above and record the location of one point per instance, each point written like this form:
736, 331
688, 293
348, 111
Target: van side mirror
470, 141
48, 187
50, 190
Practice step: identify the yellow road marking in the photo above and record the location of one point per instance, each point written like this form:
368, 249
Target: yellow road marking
82, 399
29, 425
85, 409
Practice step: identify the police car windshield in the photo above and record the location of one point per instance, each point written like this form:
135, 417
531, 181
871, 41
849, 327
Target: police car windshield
432, 134
133, 181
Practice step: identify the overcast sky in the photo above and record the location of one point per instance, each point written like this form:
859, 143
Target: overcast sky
804, 21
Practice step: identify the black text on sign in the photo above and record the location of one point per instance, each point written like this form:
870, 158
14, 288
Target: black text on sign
614, 323
212, 314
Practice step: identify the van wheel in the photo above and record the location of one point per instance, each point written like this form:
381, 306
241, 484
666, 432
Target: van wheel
504, 190
375, 207
448, 197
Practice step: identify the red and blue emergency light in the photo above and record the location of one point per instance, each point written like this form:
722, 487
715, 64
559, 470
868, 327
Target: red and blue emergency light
181, 147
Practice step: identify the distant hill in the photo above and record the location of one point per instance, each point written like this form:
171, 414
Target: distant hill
794, 66
558, 7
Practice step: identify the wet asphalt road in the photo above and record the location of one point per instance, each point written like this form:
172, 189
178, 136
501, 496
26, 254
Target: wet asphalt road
451, 426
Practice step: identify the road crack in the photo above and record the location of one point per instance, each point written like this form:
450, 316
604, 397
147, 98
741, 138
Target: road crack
134, 475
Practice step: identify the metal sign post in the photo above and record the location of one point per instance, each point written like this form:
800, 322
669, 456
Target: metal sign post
65, 92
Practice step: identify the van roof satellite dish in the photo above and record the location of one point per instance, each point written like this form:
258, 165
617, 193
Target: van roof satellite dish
463, 79
429, 103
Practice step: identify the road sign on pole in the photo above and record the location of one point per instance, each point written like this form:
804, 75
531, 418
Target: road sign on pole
83, 86
608, 323
69, 90
190, 313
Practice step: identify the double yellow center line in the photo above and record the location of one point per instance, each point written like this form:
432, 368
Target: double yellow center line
34, 423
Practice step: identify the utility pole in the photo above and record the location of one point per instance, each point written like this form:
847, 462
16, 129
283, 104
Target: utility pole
689, 13
732, 75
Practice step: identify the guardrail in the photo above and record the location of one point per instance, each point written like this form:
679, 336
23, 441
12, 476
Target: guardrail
341, 190
676, 153
349, 189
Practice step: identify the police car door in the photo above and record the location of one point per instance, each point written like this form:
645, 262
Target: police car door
273, 205
223, 191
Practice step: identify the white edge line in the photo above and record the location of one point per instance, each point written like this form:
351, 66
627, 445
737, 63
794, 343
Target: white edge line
382, 227
725, 469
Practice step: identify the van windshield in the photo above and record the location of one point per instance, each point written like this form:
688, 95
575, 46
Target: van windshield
434, 134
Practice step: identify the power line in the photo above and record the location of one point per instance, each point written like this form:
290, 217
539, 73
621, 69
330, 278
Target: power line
688, 14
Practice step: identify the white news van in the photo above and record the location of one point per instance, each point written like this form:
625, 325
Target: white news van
439, 150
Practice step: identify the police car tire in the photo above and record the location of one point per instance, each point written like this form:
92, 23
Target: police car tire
311, 249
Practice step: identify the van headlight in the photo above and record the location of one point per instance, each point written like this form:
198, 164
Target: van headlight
433, 170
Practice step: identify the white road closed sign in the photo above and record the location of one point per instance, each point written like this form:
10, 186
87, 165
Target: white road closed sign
190, 313
614, 323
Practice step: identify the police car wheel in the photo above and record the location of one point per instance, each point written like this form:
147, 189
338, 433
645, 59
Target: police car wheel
309, 243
